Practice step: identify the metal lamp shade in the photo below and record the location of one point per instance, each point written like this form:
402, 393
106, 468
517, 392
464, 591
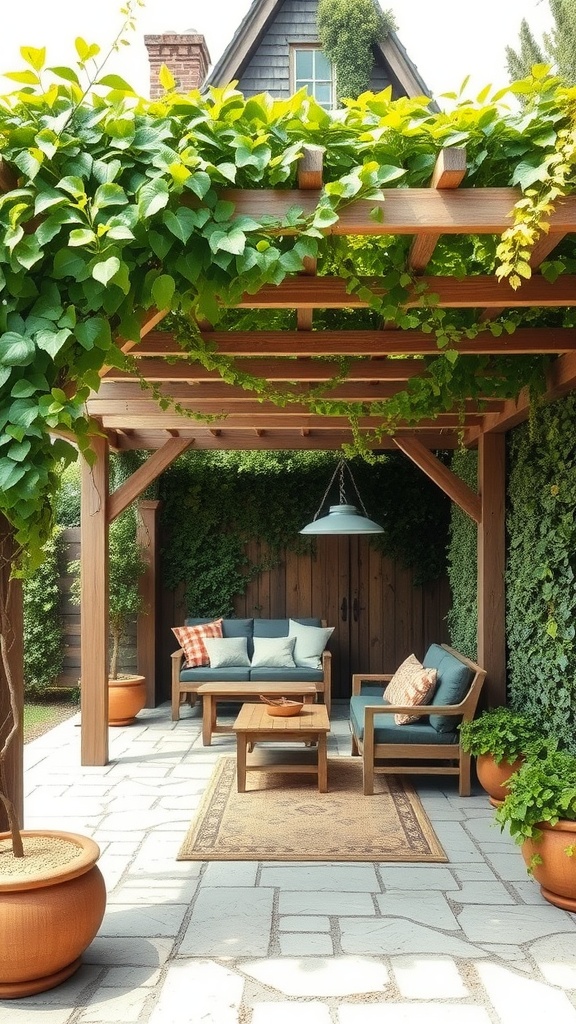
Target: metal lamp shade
342, 519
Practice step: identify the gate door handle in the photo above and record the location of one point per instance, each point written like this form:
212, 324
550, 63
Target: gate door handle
344, 609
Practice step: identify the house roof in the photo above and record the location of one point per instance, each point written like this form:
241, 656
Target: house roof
255, 23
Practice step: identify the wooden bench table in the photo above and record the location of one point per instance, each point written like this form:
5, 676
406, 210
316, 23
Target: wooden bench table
211, 693
255, 725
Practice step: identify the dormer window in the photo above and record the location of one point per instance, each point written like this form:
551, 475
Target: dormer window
312, 70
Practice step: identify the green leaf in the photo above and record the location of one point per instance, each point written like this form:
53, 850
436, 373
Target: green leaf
86, 50
105, 271
93, 332
233, 242
69, 264
223, 211
68, 74
324, 217
163, 291
109, 194
153, 197
18, 451
16, 349
181, 223
166, 79
25, 77
52, 341
10, 473
116, 82
23, 412
81, 236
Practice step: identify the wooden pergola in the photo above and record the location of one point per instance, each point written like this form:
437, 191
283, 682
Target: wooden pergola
128, 419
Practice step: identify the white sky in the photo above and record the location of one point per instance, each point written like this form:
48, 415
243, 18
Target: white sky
446, 39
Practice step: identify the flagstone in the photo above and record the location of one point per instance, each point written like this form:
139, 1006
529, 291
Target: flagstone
331, 903
529, 892
304, 924
139, 952
509, 866
108, 1004
523, 999
556, 958
229, 922
319, 877
432, 977
505, 924
400, 1013
305, 944
224, 873
283, 1013
415, 877
198, 993
473, 872
431, 908
151, 920
389, 936
319, 977
484, 893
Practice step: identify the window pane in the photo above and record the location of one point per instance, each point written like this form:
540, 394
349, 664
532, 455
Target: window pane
323, 71
323, 94
304, 60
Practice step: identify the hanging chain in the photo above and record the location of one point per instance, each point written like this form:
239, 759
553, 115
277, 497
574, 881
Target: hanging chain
339, 471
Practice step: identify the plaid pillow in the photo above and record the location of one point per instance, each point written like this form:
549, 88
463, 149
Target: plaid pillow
411, 684
191, 640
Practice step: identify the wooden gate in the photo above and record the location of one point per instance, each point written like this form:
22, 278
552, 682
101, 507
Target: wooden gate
379, 616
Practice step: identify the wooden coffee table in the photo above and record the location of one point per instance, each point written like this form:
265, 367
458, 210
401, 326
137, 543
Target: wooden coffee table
254, 725
212, 693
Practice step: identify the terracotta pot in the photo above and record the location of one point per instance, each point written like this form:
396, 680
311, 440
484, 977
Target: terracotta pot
493, 777
557, 872
49, 918
126, 697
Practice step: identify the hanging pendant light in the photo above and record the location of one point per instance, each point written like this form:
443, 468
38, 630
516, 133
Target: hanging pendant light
342, 518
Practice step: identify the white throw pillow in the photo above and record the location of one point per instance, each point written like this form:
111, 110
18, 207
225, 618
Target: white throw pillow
310, 643
273, 652
227, 652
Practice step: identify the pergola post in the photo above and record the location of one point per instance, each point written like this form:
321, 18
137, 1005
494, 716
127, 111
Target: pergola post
12, 625
94, 606
491, 562
147, 537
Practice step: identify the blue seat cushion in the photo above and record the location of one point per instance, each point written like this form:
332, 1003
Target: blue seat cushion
286, 675
375, 689
386, 730
205, 674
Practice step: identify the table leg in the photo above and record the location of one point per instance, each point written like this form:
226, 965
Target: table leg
207, 719
322, 763
241, 744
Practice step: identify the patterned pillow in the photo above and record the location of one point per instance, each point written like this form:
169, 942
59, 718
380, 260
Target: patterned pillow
191, 641
411, 684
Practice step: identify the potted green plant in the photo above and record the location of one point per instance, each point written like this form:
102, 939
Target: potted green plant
499, 739
127, 691
540, 813
52, 893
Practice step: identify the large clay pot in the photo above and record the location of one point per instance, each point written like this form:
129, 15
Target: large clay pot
493, 777
557, 872
126, 697
48, 918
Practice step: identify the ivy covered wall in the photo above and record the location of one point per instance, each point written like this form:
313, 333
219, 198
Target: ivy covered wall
213, 502
541, 567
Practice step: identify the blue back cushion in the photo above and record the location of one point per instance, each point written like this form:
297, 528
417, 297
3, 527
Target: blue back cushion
454, 680
279, 627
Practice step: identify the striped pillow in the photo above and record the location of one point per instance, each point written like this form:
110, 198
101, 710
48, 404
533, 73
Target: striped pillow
191, 640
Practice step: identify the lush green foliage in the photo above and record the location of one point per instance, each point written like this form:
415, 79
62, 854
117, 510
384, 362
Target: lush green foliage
558, 47
462, 563
542, 790
126, 566
541, 570
117, 208
348, 30
43, 632
503, 733
214, 502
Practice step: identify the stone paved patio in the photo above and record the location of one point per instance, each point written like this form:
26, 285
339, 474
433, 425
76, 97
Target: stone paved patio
467, 942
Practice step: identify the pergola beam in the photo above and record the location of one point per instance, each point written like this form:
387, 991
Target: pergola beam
451, 484
255, 438
448, 173
482, 291
407, 211
278, 370
263, 343
142, 477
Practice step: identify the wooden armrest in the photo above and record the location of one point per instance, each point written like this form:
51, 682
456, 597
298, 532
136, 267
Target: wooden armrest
177, 654
368, 677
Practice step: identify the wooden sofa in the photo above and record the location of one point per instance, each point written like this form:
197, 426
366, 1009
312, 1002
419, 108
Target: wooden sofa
187, 681
402, 749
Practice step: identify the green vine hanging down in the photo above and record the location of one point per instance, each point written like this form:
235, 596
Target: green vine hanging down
113, 205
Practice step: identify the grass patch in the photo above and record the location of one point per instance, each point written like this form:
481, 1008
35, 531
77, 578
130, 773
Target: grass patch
42, 715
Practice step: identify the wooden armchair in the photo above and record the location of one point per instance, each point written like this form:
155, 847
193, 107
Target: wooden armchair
435, 737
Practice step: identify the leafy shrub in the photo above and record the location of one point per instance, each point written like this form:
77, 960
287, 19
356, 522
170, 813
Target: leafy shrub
503, 733
43, 629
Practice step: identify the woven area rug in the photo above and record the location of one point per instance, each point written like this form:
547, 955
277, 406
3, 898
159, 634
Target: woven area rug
284, 817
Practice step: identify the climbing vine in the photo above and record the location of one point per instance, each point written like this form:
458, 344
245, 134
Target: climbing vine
113, 205
348, 31
541, 570
462, 562
215, 502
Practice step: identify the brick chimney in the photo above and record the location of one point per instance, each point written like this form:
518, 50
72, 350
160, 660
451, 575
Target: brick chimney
184, 53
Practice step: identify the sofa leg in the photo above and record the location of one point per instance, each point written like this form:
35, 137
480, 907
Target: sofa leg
368, 778
354, 751
175, 704
464, 777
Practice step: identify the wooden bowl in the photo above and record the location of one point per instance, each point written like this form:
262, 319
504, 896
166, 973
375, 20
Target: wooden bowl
283, 707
